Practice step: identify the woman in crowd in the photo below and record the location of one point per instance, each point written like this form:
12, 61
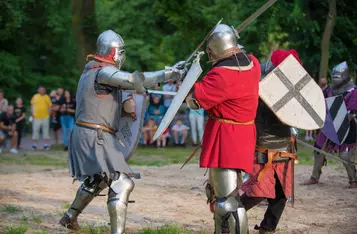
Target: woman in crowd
197, 120
156, 111
68, 110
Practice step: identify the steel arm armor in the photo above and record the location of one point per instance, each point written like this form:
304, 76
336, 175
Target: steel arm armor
138, 81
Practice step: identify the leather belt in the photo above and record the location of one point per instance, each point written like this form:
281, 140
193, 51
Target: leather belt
273, 155
100, 127
230, 121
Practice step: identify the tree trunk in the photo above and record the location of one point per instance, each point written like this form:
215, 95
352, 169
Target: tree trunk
84, 29
330, 23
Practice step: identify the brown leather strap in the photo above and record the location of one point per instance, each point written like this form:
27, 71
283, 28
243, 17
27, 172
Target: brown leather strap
230, 121
98, 126
95, 126
272, 156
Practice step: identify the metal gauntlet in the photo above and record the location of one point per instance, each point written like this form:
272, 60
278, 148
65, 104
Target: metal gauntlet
112, 76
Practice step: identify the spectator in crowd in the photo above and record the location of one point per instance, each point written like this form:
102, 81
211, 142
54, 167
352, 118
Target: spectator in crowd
40, 110
8, 129
3, 102
169, 87
20, 114
156, 111
180, 131
148, 131
308, 135
197, 120
60, 94
55, 113
161, 141
152, 95
68, 110
326, 89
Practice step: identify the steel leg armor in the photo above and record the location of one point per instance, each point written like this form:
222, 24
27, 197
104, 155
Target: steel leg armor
85, 194
118, 198
227, 205
318, 164
351, 169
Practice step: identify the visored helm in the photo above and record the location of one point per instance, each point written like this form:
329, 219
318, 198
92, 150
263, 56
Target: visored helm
110, 45
340, 74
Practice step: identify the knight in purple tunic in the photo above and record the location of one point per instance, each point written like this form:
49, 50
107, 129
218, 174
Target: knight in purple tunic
341, 85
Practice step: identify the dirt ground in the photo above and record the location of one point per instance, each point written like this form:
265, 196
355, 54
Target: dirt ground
168, 195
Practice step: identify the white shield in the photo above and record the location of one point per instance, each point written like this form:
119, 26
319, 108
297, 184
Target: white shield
294, 97
129, 129
190, 79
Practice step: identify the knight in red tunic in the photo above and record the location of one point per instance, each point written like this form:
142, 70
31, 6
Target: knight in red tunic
274, 157
229, 92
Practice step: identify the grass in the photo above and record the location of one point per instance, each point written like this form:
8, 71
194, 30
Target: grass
37, 219
11, 209
48, 159
92, 229
16, 229
168, 230
147, 156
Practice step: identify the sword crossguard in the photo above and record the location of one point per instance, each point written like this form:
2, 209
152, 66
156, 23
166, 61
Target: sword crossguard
198, 55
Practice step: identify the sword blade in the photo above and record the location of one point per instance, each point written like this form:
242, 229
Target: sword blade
162, 92
323, 152
255, 15
202, 42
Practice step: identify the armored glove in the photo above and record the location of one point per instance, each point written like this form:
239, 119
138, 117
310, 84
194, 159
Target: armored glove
177, 71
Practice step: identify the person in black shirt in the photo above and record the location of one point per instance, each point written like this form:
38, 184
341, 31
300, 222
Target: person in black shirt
55, 113
20, 114
68, 110
8, 129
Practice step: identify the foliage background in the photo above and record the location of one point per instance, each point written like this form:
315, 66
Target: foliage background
156, 33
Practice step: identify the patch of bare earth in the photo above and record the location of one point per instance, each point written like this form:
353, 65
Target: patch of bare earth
168, 195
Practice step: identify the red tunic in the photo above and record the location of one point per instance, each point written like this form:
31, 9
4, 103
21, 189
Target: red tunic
266, 187
229, 94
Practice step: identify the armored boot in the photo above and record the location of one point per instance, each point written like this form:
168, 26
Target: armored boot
316, 171
350, 168
229, 213
118, 198
85, 194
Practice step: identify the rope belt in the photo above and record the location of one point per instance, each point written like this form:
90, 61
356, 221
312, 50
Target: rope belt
273, 155
99, 127
231, 121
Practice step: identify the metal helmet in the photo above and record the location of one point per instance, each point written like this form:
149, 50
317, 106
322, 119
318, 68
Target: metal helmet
265, 68
111, 45
223, 38
340, 74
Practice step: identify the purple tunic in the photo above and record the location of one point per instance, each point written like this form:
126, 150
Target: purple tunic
351, 105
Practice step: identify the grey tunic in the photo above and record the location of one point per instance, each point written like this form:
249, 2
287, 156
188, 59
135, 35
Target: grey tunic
87, 154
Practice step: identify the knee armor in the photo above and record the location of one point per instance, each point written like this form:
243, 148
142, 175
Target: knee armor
118, 201
228, 208
85, 194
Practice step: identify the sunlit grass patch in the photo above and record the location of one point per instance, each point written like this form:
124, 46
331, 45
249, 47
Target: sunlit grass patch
38, 160
16, 229
95, 229
168, 230
32, 219
11, 209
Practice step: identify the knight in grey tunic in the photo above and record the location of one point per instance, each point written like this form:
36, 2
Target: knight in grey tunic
94, 156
